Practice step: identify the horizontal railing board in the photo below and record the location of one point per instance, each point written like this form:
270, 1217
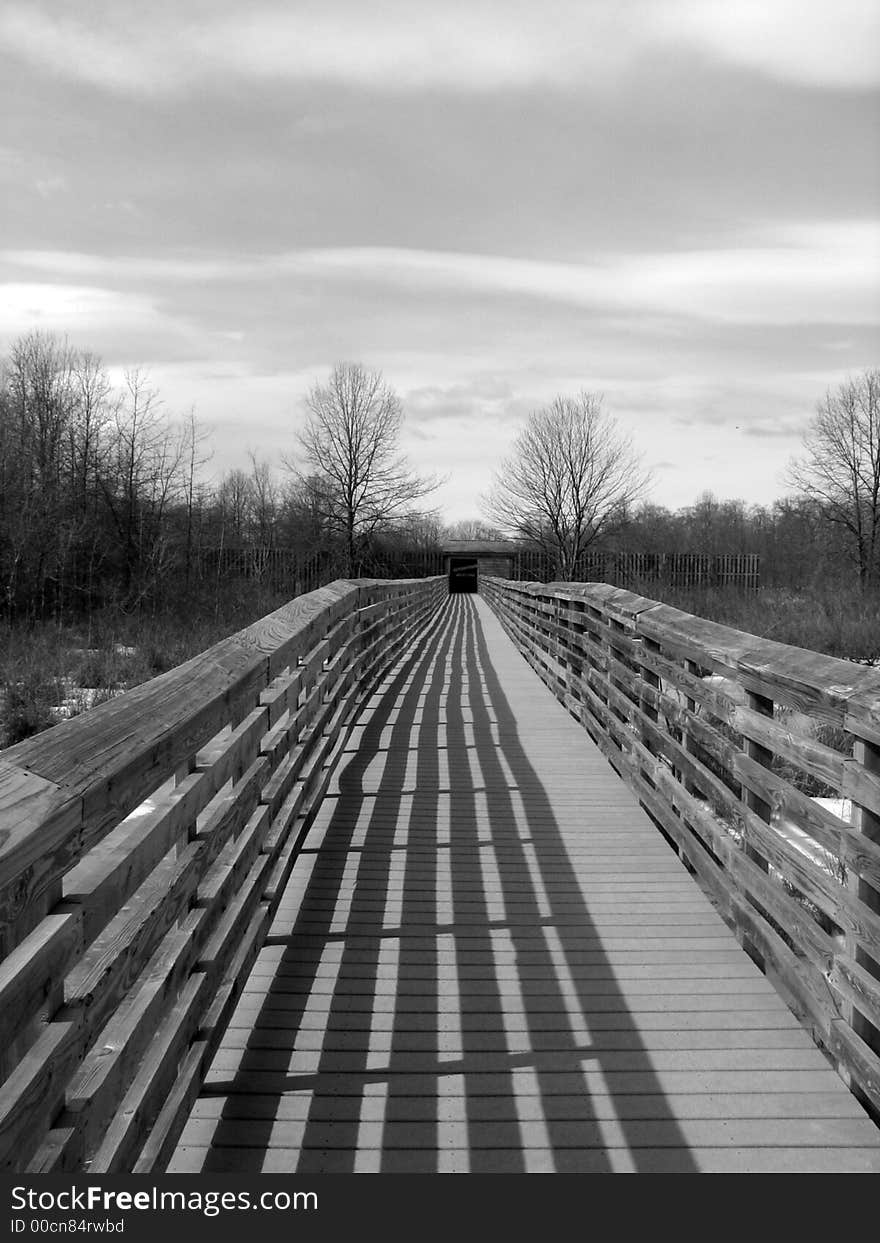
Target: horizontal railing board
160, 1145
105, 972
153, 1080
130, 852
222, 878
862, 716
98, 1083
29, 973
33, 1093
30, 804
40, 838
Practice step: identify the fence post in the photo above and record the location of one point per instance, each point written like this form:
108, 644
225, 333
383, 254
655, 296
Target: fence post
866, 754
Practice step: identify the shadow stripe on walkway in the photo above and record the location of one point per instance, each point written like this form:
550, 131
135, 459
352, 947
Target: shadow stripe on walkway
488, 959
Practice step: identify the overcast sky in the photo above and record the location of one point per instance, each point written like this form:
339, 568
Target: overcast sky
673, 202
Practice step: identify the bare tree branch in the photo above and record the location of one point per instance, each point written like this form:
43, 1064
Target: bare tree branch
571, 477
356, 478
840, 469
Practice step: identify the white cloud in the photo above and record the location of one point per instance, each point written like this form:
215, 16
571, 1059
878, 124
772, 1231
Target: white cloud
818, 271
817, 274
69, 308
69, 49
392, 47
51, 185
129, 324
481, 45
127, 268
808, 41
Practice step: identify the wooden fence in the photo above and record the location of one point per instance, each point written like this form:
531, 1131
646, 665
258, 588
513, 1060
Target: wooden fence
278, 568
285, 570
144, 847
729, 740
637, 569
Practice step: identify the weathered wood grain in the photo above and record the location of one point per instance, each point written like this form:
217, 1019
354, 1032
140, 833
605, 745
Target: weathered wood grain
30, 973
31, 1096
152, 1082
97, 1085
40, 837
163, 1136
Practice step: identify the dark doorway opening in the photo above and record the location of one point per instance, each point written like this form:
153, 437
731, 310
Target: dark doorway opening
462, 574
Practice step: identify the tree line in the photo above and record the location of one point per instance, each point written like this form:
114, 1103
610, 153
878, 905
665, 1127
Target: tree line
573, 481
105, 498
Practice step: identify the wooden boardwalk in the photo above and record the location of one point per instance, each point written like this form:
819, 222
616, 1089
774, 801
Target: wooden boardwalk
488, 959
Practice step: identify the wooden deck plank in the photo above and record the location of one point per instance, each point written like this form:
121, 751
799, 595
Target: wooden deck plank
574, 1133
520, 1160
429, 1044
487, 958
740, 1019
301, 1105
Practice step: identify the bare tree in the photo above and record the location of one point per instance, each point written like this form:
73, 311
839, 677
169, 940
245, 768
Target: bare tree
356, 477
571, 478
472, 528
98, 488
265, 502
141, 483
39, 412
194, 456
423, 531
841, 467
235, 503
301, 523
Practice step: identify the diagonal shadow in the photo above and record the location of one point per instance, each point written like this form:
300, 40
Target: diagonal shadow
469, 995
558, 1056
332, 1118
417, 1019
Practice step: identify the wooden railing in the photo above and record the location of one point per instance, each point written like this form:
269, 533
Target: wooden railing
143, 850
759, 761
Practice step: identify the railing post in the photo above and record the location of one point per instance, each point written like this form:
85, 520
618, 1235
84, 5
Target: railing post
687, 742
867, 755
761, 755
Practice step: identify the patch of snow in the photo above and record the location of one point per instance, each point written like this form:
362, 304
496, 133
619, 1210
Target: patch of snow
79, 699
727, 686
806, 845
840, 807
142, 809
